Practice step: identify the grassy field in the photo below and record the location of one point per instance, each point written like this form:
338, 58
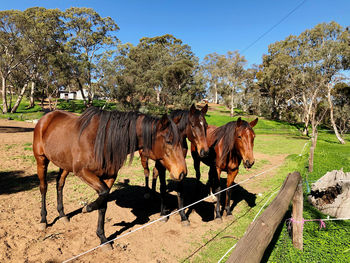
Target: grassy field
331, 244
273, 139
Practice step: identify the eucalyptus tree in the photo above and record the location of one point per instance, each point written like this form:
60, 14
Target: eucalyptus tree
89, 35
234, 75
210, 70
10, 50
252, 100
341, 100
159, 71
42, 39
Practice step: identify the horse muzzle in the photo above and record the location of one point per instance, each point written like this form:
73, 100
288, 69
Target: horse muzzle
179, 178
247, 164
203, 153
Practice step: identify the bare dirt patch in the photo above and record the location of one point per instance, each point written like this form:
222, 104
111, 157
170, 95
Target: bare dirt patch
21, 241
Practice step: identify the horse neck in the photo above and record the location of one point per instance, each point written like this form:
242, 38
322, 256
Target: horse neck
140, 133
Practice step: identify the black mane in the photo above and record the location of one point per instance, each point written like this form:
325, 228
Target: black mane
116, 135
227, 133
184, 118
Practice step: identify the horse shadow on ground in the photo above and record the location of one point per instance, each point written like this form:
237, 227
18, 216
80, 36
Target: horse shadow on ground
11, 129
15, 181
132, 197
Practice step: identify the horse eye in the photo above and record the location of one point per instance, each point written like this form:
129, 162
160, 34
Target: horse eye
239, 137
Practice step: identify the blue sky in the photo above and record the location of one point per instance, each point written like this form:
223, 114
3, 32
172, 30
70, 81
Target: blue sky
209, 26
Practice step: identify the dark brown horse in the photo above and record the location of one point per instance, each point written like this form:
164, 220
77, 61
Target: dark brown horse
191, 125
95, 145
229, 145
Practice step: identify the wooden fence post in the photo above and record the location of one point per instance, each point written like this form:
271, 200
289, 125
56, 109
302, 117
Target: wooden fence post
297, 215
251, 247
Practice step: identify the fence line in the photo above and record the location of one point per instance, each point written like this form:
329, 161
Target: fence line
173, 213
228, 251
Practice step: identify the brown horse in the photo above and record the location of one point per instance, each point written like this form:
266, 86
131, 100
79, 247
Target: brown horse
229, 145
191, 125
95, 145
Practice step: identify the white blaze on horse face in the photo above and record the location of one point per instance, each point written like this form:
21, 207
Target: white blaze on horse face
201, 123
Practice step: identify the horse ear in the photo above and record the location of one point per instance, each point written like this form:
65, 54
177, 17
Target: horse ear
192, 109
163, 122
253, 123
239, 122
177, 119
204, 109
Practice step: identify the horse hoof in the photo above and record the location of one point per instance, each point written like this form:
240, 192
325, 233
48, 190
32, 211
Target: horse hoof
84, 210
147, 196
64, 219
185, 223
42, 226
107, 247
229, 216
218, 220
164, 219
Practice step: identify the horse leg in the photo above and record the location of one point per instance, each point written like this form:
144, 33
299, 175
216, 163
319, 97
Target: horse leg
154, 179
196, 164
161, 173
42, 163
180, 201
100, 203
60, 181
144, 162
214, 175
230, 179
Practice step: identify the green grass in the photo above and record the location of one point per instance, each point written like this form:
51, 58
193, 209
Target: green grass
273, 138
320, 245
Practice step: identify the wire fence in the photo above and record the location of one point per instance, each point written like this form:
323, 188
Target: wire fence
171, 214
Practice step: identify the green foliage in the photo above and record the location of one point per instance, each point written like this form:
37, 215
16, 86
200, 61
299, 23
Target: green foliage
79, 106
158, 71
320, 245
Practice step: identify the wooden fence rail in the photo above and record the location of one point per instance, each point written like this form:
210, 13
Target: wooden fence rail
251, 247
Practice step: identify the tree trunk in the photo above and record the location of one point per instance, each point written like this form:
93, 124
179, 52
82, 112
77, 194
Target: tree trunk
340, 139
81, 89
4, 95
32, 95
306, 117
216, 94
313, 142
19, 99
231, 113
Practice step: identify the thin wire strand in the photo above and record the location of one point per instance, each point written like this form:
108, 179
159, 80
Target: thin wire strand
163, 217
228, 251
275, 25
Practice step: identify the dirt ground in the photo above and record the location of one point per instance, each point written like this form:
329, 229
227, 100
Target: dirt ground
22, 241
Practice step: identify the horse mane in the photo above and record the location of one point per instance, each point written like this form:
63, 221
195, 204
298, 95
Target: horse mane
149, 131
184, 118
115, 137
227, 133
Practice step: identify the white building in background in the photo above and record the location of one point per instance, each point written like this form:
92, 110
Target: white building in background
73, 95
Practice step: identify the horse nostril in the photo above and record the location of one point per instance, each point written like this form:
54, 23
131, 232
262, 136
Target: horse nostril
247, 164
181, 176
203, 153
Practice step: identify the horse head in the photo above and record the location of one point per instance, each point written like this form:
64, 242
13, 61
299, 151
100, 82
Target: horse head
244, 141
168, 150
197, 129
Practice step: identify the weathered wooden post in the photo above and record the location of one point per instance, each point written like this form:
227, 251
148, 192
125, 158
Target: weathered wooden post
251, 247
297, 215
